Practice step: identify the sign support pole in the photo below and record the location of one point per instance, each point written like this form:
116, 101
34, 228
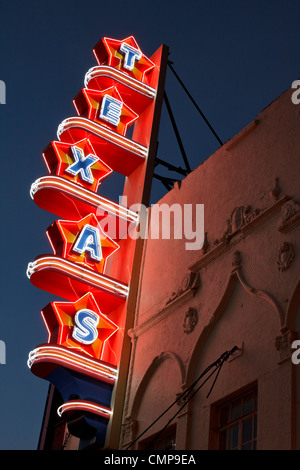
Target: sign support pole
148, 125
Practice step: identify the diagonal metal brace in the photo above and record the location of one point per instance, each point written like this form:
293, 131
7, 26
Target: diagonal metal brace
177, 133
167, 182
177, 169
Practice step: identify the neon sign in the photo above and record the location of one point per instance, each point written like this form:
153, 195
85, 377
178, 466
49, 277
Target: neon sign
82, 164
124, 55
77, 162
95, 273
79, 325
81, 241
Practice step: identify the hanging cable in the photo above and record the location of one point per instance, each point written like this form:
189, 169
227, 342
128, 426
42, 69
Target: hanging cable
182, 407
215, 379
195, 104
217, 369
217, 365
182, 396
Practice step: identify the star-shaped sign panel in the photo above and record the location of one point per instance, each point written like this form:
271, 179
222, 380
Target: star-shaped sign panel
77, 162
105, 107
82, 242
124, 55
79, 325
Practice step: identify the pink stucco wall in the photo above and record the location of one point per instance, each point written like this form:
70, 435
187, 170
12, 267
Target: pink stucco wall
242, 286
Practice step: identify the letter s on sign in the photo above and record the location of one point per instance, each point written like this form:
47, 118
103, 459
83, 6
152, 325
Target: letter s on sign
85, 329
296, 354
296, 94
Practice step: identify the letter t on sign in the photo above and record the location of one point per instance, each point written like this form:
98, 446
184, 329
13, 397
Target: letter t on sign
131, 55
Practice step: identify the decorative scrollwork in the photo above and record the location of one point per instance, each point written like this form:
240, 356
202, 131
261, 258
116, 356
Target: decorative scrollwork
129, 429
190, 320
286, 256
239, 217
283, 344
190, 282
290, 216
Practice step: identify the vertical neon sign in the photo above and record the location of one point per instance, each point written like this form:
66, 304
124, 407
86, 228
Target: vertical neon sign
87, 353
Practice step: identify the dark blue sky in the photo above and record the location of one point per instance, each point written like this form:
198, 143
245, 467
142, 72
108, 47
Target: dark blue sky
235, 57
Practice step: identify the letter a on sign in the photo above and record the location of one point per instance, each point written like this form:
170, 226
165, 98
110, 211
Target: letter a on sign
89, 241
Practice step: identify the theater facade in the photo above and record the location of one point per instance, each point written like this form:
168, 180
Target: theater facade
240, 292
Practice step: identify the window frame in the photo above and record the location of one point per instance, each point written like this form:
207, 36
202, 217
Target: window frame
216, 428
164, 436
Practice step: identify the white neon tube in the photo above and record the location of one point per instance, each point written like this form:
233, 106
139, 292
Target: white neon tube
71, 359
84, 405
121, 77
102, 132
78, 272
83, 194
